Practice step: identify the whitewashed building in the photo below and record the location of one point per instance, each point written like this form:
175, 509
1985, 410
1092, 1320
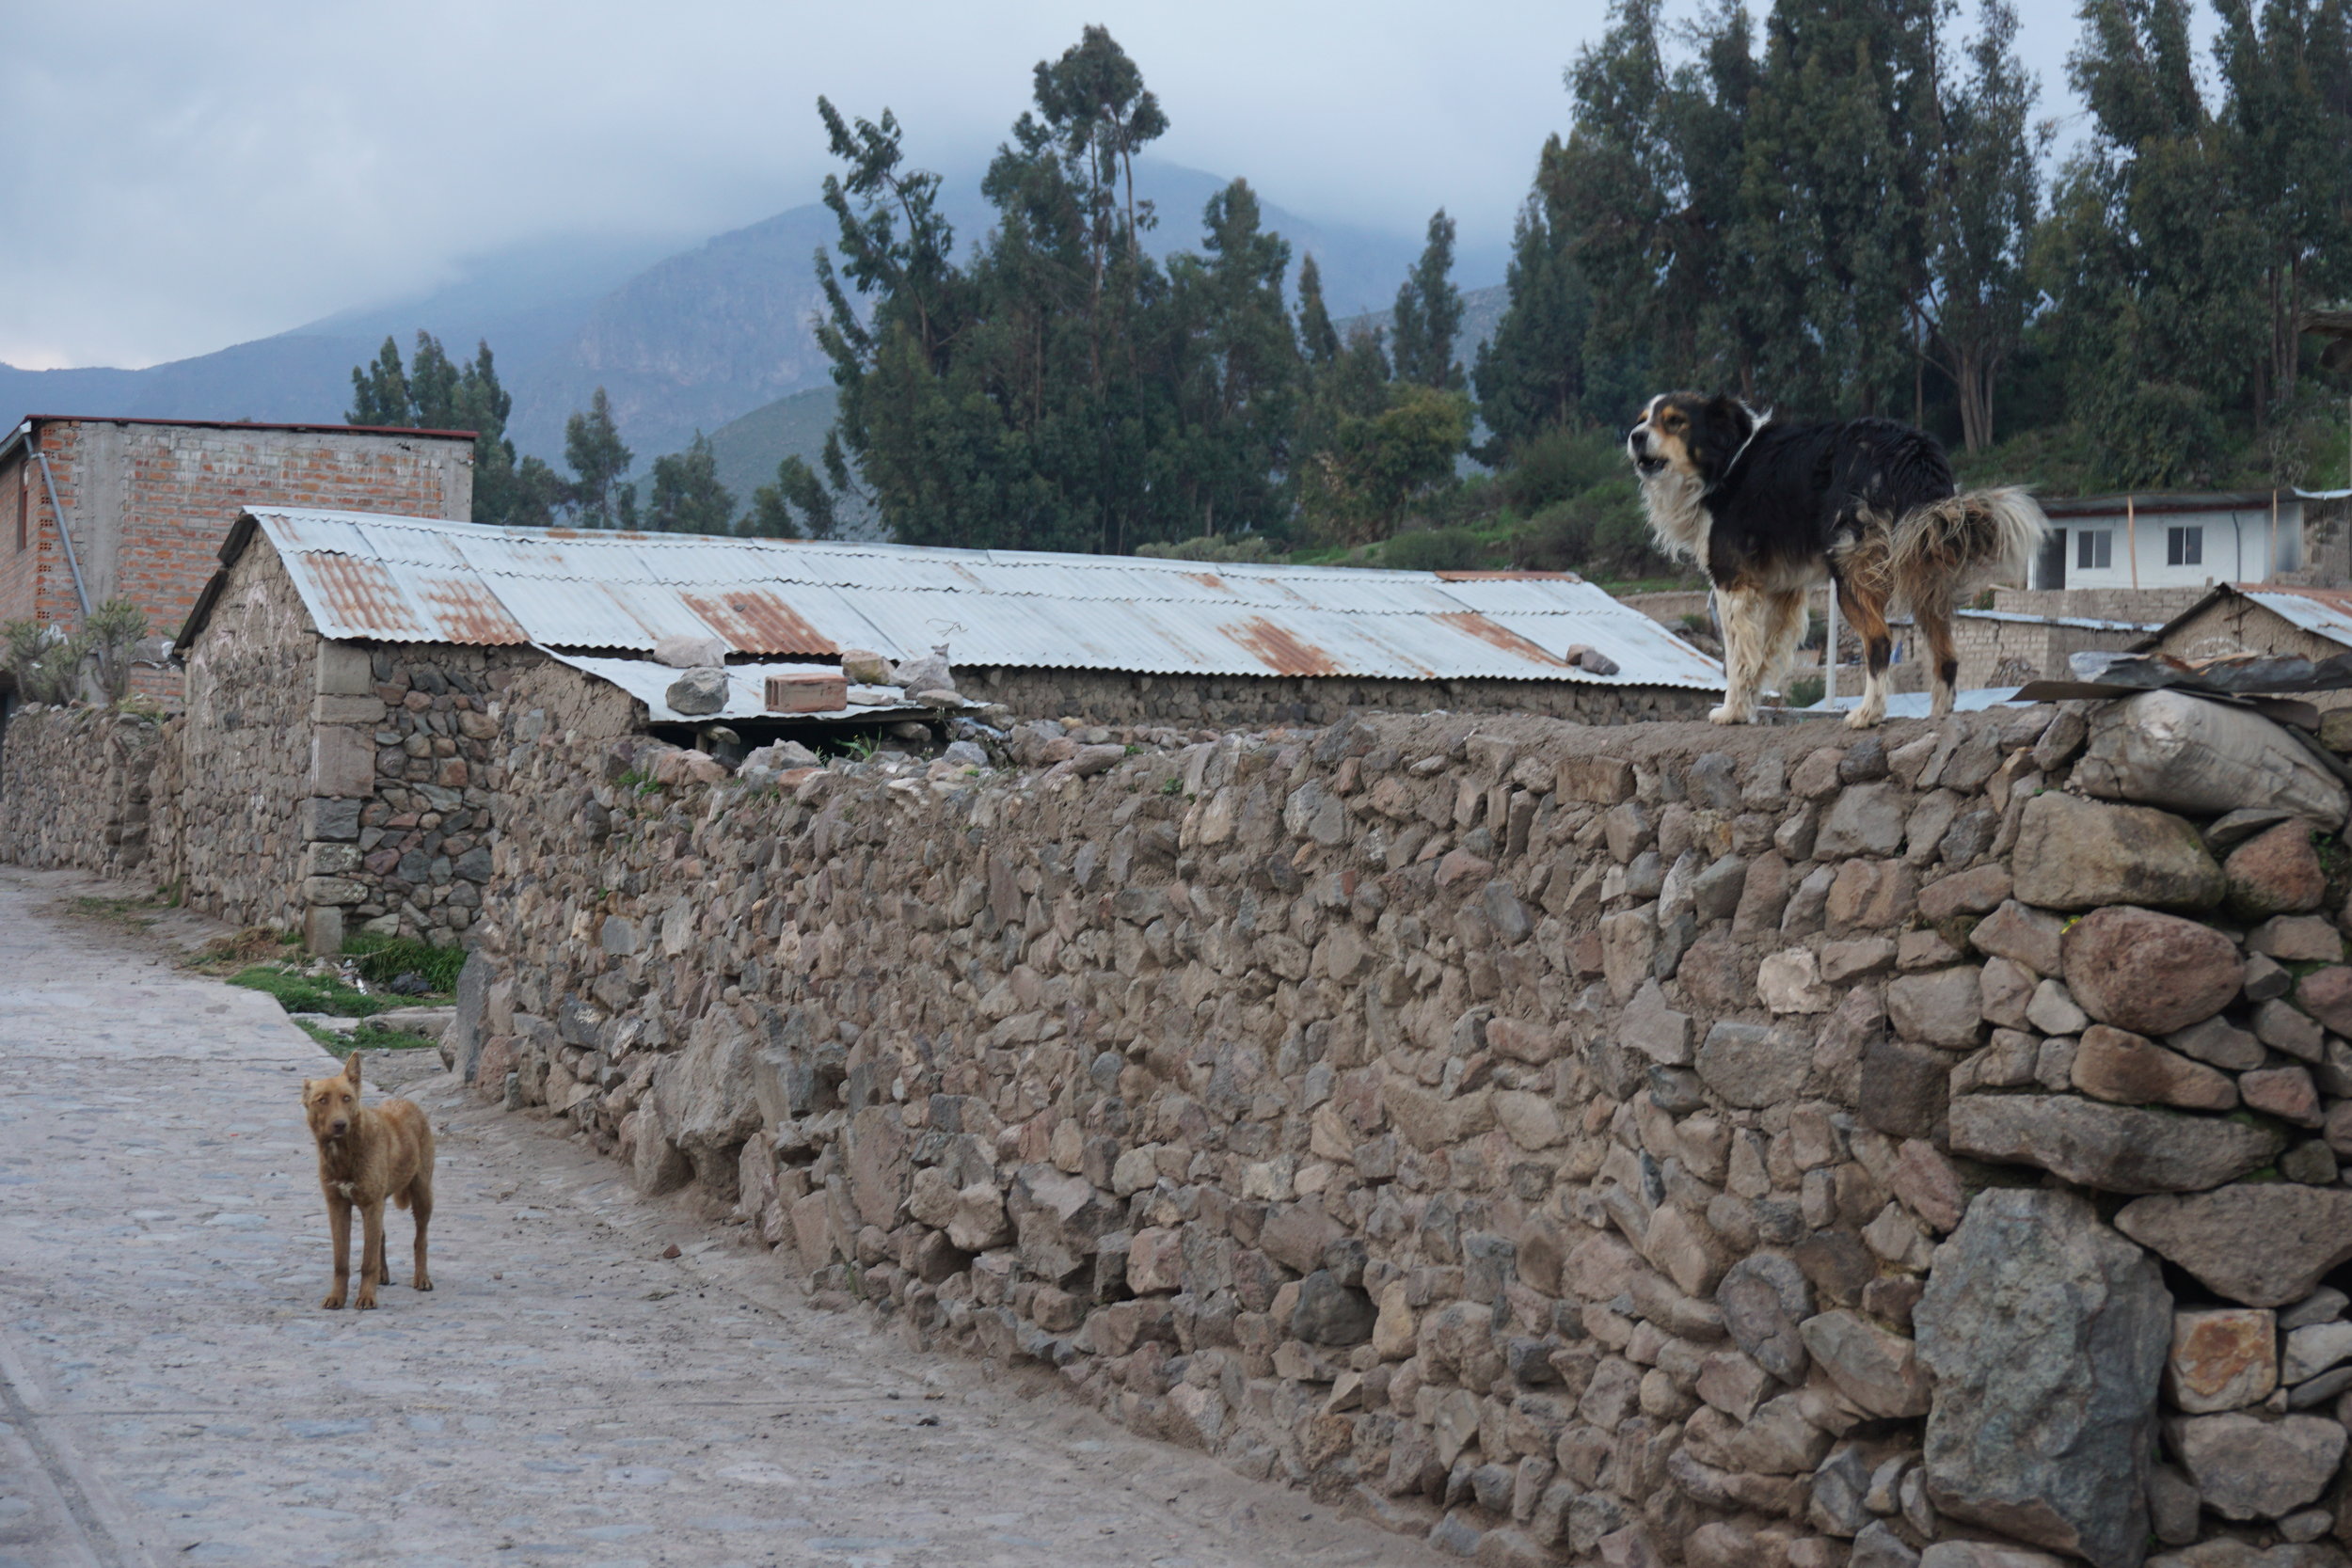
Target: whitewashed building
2190, 539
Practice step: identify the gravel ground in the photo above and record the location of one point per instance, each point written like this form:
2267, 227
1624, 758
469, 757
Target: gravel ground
170, 1391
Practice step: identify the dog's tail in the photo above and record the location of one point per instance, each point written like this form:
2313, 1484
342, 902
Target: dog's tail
1944, 550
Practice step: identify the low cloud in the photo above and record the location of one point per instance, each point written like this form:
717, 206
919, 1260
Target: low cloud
191, 177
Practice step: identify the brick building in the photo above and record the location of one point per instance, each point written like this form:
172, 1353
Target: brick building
147, 503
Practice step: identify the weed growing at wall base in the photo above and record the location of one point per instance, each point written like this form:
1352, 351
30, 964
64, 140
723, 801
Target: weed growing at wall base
382, 960
306, 993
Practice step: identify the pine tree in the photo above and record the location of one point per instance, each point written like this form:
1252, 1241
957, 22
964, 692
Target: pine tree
797, 489
687, 495
433, 386
1429, 313
2150, 254
1056, 387
1318, 340
379, 392
1238, 366
593, 446
433, 393
1530, 375
2287, 130
1987, 193
1839, 150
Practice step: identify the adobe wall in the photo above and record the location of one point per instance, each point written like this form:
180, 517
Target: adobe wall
1641, 1145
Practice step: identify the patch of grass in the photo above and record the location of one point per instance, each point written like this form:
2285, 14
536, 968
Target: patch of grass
223, 955
1804, 690
372, 1036
385, 960
332, 1041
308, 993
134, 914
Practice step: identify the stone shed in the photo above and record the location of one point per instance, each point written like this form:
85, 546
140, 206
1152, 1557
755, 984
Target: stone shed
336, 770
1112, 639
2310, 623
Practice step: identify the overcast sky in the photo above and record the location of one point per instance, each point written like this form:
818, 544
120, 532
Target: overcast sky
187, 177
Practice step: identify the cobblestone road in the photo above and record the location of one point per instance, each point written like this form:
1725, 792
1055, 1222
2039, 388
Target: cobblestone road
171, 1393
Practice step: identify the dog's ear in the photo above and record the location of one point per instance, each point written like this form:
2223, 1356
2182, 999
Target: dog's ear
1727, 413
351, 1069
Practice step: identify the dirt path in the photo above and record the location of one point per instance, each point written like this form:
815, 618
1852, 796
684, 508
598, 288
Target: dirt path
171, 1393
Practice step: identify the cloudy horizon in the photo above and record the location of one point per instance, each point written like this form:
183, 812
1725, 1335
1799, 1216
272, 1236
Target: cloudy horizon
193, 179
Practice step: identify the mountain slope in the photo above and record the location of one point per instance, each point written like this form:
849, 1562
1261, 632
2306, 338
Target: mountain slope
694, 339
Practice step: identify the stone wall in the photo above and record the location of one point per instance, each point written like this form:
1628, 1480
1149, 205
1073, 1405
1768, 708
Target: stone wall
228, 794
2152, 606
1259, 702
1649, 1145
325, 786
408, 856
76, 787
2005, 653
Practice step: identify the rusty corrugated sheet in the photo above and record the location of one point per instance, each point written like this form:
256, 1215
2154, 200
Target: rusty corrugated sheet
1281, 650
390, 578
1500, 637
758, 621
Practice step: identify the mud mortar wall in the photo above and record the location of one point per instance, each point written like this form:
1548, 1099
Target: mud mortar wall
1258, 702
1647, 1144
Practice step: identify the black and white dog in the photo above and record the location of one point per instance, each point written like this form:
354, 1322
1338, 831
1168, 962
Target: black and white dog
1769, 510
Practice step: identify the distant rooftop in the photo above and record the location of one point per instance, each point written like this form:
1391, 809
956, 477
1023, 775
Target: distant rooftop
25, 426
413, 580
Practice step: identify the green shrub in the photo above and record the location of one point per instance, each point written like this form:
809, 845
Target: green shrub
1802, 691
305, 993
1434, 549
384, 960
1211, 546
1560, 463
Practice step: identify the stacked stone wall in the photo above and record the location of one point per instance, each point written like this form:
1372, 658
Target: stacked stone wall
1650, 1145
406, 850
326, 786
228, 793
76, 787
1260, 702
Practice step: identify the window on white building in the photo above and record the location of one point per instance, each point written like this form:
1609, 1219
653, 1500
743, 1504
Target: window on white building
2094, 549
2184, 547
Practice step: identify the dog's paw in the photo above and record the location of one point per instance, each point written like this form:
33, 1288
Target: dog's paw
1863, 719
366, 1302
333, 1303
421, 1283
1727, 714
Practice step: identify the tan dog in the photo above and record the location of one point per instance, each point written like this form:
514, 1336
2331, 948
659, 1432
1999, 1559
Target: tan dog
365, 1156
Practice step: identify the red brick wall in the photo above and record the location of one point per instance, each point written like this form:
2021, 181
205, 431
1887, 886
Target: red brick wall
151, 503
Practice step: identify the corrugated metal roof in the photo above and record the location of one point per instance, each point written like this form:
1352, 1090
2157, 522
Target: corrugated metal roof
2318, 611
390, 578
747, 688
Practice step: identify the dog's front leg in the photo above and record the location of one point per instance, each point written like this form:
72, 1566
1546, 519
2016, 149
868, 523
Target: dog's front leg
1744, 653
372, 1258
339, 1227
